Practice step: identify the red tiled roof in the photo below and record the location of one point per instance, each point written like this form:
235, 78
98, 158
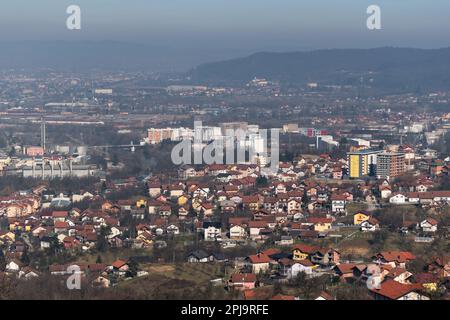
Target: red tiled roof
397, 256
61, 225
271, 251
257, 224
345, 267
259, 258
316, 220
243, 277
393, 290
119, 264
429, 194
59, 214
432, 221
305, 248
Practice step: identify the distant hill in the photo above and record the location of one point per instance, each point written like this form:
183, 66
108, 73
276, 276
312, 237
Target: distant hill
105, 55
401, 68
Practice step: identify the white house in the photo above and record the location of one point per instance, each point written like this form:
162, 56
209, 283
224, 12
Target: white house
386, 192
413, 199
211, 231
398, 199
28, 273
338, 203
237, 232
12, 266
172, 229
370, 225
428, 225
301, 266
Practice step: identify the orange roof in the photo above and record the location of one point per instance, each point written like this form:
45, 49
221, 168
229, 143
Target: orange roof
259, 258
243, 277
397, 256
346, 267
305, 248
271, 251
257, 224
394, 290
249, 294
59, 214
316, 220
432, 221
119, 264
61, 225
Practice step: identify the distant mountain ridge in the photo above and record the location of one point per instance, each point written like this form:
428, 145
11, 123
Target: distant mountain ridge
405, 68
104, 55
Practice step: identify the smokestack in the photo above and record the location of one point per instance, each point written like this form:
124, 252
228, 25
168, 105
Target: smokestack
43, 134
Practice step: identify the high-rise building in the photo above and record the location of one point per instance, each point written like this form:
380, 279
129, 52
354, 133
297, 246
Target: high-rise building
390, 164
362, 163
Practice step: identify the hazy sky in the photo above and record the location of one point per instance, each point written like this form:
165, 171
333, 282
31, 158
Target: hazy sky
250, 24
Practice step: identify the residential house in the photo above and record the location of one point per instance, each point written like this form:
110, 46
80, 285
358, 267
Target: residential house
238, 232
119, 267
370, 225
394, 258
291, 269
242, 281
212, 230
320, 224
326, 257
359, 217
302, 251
428, 225
400, 275
198, 256
398, 199
260, 263
393, 290
338, 203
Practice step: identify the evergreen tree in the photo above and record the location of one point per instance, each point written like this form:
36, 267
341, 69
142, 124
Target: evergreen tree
2, 261
133, 267
25, 259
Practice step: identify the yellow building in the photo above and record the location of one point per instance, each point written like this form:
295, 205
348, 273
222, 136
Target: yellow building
360, 217
320, 224
141, 203
362, 163
8, 235
302, 251
182, 200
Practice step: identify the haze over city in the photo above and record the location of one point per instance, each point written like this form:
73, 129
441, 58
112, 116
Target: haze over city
233, 25
227, 152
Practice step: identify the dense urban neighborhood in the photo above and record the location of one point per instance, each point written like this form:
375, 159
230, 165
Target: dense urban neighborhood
358, 206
